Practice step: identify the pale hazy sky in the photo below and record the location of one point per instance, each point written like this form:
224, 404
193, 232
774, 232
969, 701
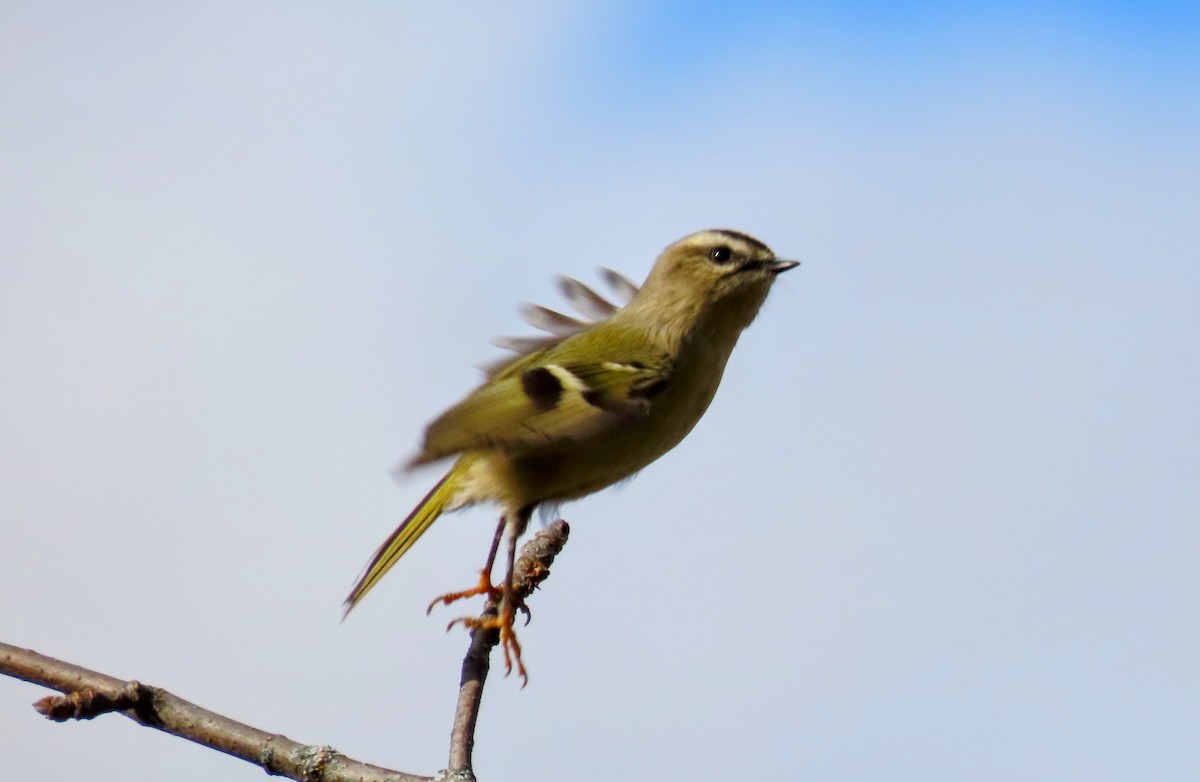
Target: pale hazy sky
941, 522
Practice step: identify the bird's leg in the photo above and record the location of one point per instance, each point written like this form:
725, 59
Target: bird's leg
485, 586
509, 604
506, 613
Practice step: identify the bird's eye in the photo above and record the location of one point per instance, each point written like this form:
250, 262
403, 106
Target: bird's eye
721, 254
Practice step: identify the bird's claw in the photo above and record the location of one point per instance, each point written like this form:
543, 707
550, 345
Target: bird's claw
484, 587
503, 624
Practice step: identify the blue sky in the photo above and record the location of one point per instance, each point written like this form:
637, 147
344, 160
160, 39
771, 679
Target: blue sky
940, 522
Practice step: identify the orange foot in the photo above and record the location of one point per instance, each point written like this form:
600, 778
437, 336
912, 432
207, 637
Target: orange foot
503, 622
484, 587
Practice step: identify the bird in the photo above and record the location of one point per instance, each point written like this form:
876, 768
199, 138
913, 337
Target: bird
587, 406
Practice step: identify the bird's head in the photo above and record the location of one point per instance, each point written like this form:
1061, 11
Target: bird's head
717, 276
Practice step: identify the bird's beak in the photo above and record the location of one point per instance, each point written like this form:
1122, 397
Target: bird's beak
779, 267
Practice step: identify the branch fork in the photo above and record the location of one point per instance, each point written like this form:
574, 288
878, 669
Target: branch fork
87, 694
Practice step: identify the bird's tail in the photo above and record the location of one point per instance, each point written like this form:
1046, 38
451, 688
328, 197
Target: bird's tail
402, 539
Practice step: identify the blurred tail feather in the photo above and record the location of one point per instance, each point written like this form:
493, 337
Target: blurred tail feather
402, 539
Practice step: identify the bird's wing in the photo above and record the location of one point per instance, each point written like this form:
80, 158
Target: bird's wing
548, 399
591, 305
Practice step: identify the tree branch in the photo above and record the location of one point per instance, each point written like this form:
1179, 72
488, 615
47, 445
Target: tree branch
88, 694
532, 568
